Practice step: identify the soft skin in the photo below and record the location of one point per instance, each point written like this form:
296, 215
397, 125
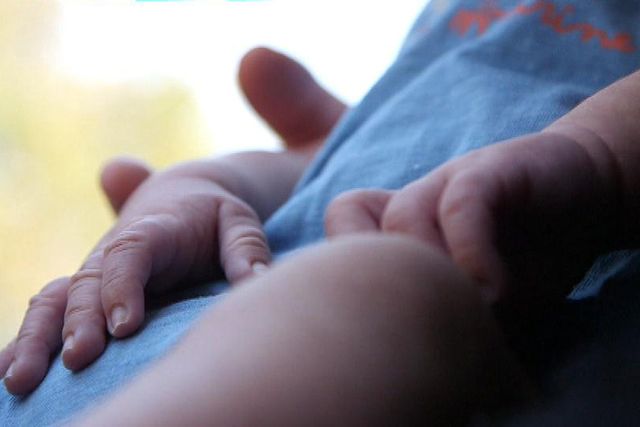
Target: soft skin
526, 217
185, 224
317, 339
365, 330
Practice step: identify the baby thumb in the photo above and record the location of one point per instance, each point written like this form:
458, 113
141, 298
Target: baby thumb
356, 211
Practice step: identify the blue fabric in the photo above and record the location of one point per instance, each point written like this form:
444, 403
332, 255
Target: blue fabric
63, 393
471, 73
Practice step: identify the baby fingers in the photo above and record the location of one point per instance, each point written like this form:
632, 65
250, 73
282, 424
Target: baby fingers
144, 248
243, 245
108, 291
356, 211
454, 211
84, 325
25, 361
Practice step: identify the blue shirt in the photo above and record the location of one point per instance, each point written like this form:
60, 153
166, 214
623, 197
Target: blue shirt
471, 73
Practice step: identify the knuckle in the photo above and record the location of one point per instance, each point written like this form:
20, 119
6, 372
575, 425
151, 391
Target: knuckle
28, 334
33, 338
54, 286
77, 281
346, 200
236, 208
250, 243
94, 260
126, 241
82, 301
50, 297
340, 207
400, 216
41, 301
114, 282
462, 190
239, 218
250, 238
81, 311
138, 235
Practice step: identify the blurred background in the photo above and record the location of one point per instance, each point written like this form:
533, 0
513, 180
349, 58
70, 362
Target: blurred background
83, 81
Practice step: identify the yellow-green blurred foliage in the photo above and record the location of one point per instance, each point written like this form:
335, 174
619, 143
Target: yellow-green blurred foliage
54, 136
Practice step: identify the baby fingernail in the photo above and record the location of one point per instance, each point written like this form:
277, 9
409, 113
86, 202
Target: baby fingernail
9, 372
259, 267
118, 318
68, 344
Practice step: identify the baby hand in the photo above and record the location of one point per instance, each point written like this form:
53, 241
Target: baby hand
524, 218
285, 94
177, 226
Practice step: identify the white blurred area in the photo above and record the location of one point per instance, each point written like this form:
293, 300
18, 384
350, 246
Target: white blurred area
346, 44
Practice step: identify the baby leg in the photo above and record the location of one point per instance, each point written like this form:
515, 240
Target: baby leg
366, 330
